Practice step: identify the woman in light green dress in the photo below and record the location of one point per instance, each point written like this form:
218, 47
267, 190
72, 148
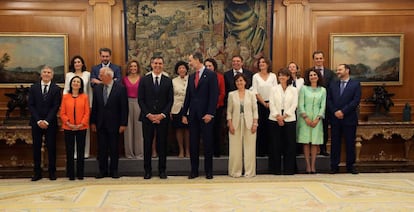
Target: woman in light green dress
311, 109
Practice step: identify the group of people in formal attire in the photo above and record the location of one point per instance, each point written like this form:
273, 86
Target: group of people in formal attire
267, 114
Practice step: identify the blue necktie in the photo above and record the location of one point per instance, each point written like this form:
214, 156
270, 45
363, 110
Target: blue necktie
342, 87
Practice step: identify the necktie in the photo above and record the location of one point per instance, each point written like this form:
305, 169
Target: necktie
156, 83
342, 87
294, 83
44, 91
197, 78
105, 94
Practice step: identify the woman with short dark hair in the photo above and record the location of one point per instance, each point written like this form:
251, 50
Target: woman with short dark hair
182, 133
74, 113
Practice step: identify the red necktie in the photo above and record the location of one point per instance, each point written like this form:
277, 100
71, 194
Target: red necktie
197, 78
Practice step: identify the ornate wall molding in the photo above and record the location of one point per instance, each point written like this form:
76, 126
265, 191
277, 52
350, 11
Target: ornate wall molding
290, 2
93, 2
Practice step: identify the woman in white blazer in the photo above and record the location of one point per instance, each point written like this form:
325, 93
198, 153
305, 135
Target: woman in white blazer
242, 119
282, 125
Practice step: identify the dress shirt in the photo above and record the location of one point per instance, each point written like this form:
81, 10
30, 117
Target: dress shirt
237, 71
320, 69
106, 65
43, 86
109, 87
201, 70
154, 78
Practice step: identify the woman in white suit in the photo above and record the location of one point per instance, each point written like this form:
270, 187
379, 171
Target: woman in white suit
242, 119
282, 125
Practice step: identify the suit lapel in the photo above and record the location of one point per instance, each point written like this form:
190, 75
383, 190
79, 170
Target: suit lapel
203, 77
113, 89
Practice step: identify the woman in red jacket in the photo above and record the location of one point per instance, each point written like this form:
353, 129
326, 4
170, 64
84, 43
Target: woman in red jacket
74, 112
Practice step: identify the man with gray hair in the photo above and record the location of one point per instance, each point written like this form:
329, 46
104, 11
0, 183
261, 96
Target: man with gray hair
44, 102
109, 118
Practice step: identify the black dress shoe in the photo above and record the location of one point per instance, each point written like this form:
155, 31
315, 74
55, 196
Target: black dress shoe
192, 175
333, 171
80, 178
99, 176
52, 176
353, 171
36, 177
115, 175
209, 176
147, 175
71, 178
324, 153
163, 175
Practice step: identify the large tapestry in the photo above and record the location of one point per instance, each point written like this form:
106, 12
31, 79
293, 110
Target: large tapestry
219, 29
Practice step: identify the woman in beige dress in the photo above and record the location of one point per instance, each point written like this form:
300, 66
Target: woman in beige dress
182, 133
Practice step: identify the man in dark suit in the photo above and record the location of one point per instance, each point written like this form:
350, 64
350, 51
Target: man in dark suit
44, 102
155, 97
343, 101
109, 118
200, 106
237, 64
105, 55
328, 77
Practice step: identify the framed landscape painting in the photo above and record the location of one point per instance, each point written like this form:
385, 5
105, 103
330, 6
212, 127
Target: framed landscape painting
375, 59
23, 54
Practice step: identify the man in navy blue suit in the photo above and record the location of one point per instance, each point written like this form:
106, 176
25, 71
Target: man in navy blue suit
328, 77
200, 106
155, 97
105, 55
109, 118
343, 102
44, 103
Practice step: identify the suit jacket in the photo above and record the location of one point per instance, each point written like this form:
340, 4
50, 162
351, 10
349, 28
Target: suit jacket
75, 111
229, 79
348, 102
155, 101
203, 99
250, 108
115, 113
328, 77
44, 108
115, 68
290, 102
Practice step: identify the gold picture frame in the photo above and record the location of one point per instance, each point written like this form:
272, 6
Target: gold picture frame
375, 58
23, 54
